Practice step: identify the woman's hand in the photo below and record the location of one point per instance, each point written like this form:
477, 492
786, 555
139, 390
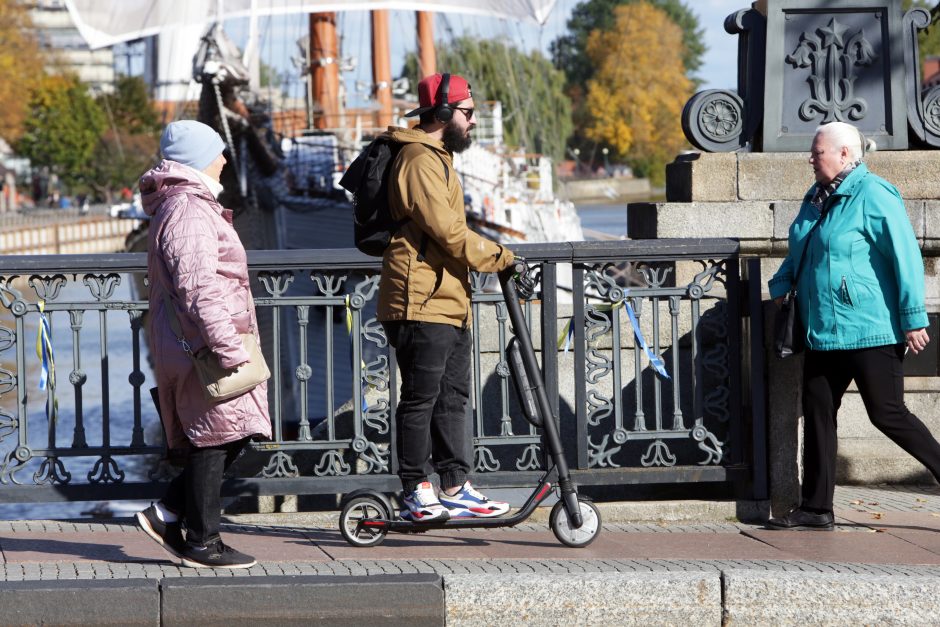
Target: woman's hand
778, 301
917, 340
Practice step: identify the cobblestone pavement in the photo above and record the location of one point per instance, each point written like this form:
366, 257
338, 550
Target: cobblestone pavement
894, 498
881, 530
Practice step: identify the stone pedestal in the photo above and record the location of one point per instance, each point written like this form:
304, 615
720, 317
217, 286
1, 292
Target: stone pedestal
777, 176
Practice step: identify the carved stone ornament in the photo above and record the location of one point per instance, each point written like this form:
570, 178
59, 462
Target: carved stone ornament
832, 55
712, 120
803, 63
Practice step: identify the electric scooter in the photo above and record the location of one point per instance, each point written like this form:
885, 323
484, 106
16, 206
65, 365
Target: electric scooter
368, 516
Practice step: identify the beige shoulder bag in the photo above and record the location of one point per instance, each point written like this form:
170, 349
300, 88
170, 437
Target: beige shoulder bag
218, 383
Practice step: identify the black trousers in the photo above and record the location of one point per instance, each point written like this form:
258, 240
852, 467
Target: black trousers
431, 418
879, 376
194, 494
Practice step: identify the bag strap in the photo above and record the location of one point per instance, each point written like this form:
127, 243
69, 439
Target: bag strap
799, 266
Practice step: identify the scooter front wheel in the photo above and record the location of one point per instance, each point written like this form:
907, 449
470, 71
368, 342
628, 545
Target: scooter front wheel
357, 510
582, 536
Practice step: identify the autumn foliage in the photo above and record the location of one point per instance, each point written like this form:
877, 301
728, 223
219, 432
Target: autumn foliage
62, 127
20, 67
635, 99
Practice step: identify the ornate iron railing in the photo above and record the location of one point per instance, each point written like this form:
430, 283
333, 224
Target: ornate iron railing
333, 391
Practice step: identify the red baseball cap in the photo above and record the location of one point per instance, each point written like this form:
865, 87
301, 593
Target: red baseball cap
429, 92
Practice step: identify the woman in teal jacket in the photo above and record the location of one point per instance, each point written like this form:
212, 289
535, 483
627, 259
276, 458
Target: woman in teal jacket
861, 300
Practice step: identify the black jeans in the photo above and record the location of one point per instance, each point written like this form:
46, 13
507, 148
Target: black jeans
194, 494
431, 418
879, 375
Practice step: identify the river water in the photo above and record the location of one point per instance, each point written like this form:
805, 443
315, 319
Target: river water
607, 219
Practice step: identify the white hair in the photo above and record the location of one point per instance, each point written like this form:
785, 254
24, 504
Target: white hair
845, 135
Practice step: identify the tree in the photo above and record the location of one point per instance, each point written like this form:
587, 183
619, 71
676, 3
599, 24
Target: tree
62, 128
928, 39
270, 77
537, 114
129, 106
635, 99
20, 67
129, 144
568, 51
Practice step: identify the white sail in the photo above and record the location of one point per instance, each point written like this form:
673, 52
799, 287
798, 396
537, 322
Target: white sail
103, 23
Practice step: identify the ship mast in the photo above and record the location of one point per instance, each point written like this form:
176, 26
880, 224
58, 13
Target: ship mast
324, 69
324, 60
427, 58
381, 68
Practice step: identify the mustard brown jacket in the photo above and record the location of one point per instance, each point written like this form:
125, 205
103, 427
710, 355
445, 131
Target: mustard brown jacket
434, 287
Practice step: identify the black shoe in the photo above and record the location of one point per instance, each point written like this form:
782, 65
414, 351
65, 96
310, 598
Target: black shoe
167, 535
215, 554
801, 520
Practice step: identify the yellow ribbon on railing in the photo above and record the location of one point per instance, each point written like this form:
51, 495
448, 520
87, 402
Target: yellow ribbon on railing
564, 340
348, 317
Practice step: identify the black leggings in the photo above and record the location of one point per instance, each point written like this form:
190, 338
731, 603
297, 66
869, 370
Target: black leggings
879, 375
195, 494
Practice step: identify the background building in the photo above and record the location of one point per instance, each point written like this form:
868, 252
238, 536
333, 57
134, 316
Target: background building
65, 48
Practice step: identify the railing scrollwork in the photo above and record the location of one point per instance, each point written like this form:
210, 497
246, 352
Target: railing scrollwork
334, 383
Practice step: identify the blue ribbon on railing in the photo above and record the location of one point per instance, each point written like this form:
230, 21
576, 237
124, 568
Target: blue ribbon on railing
564, 340
47, 362
655, 360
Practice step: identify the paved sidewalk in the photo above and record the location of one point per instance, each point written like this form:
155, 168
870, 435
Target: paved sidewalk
884, 535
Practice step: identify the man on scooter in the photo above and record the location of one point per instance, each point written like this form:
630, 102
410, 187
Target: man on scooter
424, 303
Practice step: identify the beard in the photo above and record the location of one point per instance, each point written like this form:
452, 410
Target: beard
455, 140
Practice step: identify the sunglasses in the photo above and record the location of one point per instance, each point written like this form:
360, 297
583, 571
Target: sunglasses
467, 111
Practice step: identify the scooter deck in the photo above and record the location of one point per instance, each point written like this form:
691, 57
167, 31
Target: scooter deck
410, 526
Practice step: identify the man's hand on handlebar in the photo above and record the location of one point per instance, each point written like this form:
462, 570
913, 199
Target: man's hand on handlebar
525, 284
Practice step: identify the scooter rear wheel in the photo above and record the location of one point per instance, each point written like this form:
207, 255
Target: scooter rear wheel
358, 509
582, 536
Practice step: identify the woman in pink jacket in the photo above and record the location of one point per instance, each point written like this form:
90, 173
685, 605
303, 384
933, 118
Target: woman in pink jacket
196, 260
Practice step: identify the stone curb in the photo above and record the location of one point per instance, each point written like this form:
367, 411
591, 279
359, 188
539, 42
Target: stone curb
81, 602
389, 599
707, 597
414, 600
692, 598
762, 598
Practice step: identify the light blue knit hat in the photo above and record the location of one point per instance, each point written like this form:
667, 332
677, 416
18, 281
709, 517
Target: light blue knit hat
191, 143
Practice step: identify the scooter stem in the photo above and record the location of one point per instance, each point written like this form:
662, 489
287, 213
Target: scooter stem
550, 431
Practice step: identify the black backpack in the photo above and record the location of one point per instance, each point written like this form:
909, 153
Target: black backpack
367, 178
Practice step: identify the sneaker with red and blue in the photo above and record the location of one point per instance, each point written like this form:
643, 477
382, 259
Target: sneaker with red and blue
423, 505
471, 503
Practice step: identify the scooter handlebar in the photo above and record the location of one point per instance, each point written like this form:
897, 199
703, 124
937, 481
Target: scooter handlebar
517, 275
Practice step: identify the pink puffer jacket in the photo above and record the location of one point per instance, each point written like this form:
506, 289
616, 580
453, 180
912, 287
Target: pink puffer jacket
195, 257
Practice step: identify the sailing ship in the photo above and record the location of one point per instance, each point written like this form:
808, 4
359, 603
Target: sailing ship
287, 163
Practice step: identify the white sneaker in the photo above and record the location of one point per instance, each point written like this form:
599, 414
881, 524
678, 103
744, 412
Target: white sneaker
469, 503
423, 505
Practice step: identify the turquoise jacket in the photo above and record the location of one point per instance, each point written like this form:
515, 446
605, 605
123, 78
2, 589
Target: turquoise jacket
862, 283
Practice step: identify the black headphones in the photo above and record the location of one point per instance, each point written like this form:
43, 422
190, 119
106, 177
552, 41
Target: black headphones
443, 113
